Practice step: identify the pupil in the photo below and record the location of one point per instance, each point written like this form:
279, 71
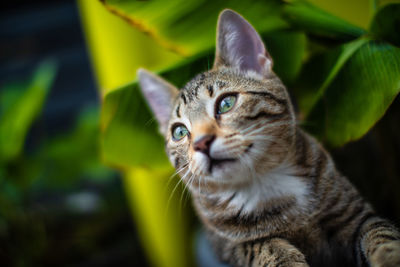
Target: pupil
226, 103
180, 131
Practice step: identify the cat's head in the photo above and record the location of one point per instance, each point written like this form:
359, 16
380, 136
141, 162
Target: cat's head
231, 123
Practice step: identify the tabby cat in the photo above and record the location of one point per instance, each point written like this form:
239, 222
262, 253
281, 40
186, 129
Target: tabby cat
267, 192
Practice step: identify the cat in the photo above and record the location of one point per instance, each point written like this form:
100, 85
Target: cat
267, 192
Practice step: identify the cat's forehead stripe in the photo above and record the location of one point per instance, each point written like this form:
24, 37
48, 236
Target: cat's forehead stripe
210, 90
183, 98
177, 111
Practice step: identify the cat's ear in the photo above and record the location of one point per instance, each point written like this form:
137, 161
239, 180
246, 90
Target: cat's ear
240, 46
160, 96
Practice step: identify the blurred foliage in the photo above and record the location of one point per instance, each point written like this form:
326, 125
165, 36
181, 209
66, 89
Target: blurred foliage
344, 77
50, 204
166, 227
19, 108
386, 24
78, 148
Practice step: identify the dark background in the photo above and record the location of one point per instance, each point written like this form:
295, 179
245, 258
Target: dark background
45, 224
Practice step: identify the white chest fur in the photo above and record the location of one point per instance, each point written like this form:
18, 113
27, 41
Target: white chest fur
278, 183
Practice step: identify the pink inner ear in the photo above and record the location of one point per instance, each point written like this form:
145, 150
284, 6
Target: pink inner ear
160, 96
159, 104
240, 46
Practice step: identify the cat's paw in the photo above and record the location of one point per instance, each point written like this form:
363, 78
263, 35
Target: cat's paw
287, 264
288, 256
386, 255
291, 259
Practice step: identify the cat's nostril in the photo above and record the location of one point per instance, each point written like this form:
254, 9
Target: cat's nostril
203, 143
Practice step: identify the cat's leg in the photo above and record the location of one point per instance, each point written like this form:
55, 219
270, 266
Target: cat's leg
378, 243
271, 253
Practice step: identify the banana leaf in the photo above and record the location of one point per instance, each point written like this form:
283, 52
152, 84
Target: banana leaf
342, 93
358, 90
188, 27
304, 16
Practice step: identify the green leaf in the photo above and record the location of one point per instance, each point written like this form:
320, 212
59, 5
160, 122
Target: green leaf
130, 137
386, 24
287, 49
304, 16
358, 95
188, 27
129, 131
22, 111
320, 71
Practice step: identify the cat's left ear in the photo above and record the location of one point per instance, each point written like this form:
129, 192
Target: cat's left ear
160, 96
240, 46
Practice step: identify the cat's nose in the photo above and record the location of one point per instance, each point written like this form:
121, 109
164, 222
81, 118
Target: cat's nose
203, 143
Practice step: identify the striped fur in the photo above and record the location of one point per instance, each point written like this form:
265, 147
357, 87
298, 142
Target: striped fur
267, 192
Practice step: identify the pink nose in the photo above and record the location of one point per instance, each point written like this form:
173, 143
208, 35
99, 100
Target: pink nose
203, 143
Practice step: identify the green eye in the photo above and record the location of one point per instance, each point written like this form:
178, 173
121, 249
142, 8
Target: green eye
178, 132
226, 104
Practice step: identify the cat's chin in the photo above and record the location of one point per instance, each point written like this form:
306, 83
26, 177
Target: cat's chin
228, 171
215, 164
221, 170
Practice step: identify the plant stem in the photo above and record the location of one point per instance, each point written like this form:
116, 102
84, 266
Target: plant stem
373, 4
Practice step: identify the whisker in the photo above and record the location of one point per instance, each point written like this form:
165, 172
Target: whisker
172, 194
177, 172
244, 131
268, 126
188, 193
186, 189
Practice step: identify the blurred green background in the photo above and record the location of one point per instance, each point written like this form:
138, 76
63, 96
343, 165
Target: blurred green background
84, 180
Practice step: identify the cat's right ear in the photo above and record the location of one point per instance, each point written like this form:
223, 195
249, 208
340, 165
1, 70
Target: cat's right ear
239, 45
160, 96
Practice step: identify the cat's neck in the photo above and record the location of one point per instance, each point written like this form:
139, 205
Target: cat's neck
285, 193
292, 177
278, 185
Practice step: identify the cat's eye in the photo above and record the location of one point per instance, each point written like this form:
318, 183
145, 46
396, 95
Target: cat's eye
226, 104
179, 131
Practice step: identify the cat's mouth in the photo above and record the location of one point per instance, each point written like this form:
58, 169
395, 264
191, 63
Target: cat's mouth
218, 163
